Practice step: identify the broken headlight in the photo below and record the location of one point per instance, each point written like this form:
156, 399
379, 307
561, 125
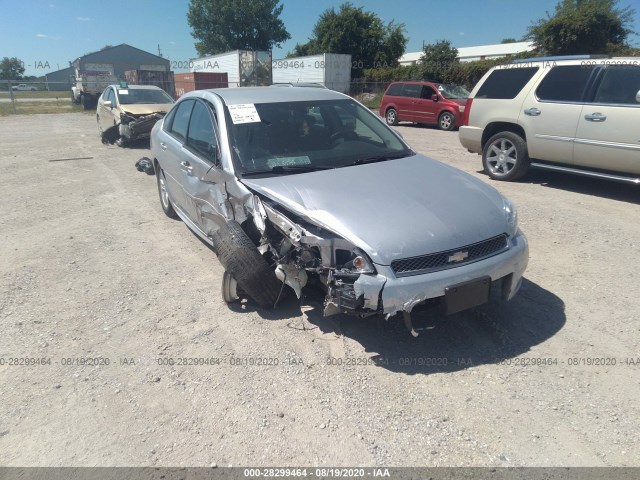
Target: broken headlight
353, 261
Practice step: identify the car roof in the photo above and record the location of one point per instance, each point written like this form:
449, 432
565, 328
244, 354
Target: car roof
236, 96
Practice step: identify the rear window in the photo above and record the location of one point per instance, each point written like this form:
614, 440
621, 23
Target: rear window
565, 84
395, 90
506, 83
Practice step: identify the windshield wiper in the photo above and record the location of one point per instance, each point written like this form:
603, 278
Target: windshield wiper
287, 169
380, 158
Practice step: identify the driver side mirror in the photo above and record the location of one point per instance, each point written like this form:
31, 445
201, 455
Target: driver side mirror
434, 97
638, 96
108, 103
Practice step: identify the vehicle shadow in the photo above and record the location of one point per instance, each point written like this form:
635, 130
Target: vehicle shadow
488, 334
621, 192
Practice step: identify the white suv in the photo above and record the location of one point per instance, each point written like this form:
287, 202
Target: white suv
579, 115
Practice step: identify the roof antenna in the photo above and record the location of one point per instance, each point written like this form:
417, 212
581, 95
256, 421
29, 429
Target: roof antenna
159, 52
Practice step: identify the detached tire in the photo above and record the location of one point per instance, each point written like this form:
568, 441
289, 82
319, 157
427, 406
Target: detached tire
505, 156
241, 259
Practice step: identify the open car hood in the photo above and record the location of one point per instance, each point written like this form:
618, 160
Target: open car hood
394, 209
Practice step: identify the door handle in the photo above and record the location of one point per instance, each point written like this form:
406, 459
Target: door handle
163, 145
186, 166
595, 117
532, 112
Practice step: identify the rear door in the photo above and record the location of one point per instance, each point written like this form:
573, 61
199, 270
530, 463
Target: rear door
406, 103
608, 135
202, 177
550, 113
171, 141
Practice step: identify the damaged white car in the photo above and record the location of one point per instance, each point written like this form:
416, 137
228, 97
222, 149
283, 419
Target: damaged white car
305, 186
128, 112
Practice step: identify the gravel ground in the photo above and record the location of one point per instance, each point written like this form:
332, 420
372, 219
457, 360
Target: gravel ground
92, 269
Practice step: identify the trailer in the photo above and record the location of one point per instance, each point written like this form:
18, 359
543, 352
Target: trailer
188, 82
244, 68
333, 70
159, 78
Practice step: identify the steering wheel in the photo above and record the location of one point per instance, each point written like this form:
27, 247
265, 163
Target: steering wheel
341, 134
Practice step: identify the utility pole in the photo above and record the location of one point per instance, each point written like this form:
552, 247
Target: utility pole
159, 52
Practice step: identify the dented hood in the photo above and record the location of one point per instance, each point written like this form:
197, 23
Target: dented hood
394, 209
146, 108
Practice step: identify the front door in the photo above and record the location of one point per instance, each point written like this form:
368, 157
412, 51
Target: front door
425, 109
202, 177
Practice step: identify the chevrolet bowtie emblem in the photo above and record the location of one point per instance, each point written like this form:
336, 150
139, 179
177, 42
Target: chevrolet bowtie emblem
458, 257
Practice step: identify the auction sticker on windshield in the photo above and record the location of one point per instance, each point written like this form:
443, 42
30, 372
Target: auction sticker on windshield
244, 113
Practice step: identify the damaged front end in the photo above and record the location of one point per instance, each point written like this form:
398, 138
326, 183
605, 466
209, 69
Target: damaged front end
135, 127
305, 253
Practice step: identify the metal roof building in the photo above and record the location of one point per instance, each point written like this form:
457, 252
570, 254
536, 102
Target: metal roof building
482, 52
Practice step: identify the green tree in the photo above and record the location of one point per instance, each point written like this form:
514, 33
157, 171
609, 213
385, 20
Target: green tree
582, 27
363, 35
11, 68
440, 61
508, 40
223, 25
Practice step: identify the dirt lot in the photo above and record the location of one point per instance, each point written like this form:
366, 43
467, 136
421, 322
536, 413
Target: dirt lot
91, 268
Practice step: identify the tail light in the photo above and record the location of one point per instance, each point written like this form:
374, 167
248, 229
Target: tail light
467, 110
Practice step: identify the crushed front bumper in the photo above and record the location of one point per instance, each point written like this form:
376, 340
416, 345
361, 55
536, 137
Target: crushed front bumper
385, 293
135, 128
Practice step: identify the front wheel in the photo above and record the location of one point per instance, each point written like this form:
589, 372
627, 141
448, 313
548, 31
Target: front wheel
446, 121
505, 156
391, 117
245, 267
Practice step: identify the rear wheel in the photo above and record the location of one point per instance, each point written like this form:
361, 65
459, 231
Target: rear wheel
246, 266
391, 117
446, 121
163, 192
87, 102
505, 156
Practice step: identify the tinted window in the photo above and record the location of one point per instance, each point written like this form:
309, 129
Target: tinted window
427, 92
506, 83
180, 120
565, 84
412, 90
395, 90
201, 137
620, 84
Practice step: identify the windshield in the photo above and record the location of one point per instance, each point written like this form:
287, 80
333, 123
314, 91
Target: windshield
453, 91
307, 136
128, 96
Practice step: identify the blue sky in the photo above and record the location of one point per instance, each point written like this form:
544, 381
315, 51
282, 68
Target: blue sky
46, 34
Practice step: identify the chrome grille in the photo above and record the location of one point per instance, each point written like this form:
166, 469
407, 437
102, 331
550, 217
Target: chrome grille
442, 260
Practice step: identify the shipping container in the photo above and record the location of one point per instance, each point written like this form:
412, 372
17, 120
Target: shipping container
162, 79
188, 82
244, 68
333, 70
